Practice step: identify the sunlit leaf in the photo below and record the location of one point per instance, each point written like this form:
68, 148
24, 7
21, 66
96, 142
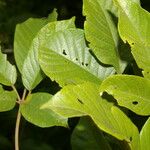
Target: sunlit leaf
101, 33
145, 136
24, 35
32, 74
64, 57
31, 110
132, 92
84, 99
134, 24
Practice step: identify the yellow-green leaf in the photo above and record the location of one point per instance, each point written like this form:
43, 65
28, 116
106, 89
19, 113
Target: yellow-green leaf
132, 92
101, 33
8, 72
145, 136
7, 99
64, 57
31, 111
84, 99
134, 23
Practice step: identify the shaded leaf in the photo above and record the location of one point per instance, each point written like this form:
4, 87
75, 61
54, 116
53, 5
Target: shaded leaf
65, 58
137, 20
7, 99
87, 136
8, 73
84, 99
132, 92
145, 136
31, 110
35, 144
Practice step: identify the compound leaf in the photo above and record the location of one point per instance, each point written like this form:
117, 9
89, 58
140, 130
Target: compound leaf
132, 92
32, 112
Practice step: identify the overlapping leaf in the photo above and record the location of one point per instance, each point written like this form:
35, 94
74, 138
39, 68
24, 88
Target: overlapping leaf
65, 58
41, 117
132, 92
145, 136
8, 73
100, 31
87, 136
32, 74
24, 35
133, 27
84, 99
7, 99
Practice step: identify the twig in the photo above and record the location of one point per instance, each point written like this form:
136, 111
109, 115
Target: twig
18, 118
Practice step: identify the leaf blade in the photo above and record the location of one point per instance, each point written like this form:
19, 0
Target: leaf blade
31, 73
83, 99
144, 136
24, 34
137, 21
132, 92
87, 136
8, 72
7, 100
65, 53
100, 31
31, 110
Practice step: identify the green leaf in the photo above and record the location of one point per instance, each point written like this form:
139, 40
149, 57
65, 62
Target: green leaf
84, 99
65, 58
132, 92
24, 35
32, 74
8, 73
133, 27
7, 99
31, 110
145, 136
53, 16
86, 136
101, 32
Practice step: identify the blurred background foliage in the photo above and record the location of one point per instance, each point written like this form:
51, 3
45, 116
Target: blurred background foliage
17, 11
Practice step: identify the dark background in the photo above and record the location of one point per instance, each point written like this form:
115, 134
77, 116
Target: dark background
11, 13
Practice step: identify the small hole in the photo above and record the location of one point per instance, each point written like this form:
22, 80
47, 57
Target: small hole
86, 64
132, 43
82, 63
131, 138
64, 52
134, 102
80, 101
76, 59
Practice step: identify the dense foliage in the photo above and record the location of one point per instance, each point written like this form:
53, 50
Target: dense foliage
90, 85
